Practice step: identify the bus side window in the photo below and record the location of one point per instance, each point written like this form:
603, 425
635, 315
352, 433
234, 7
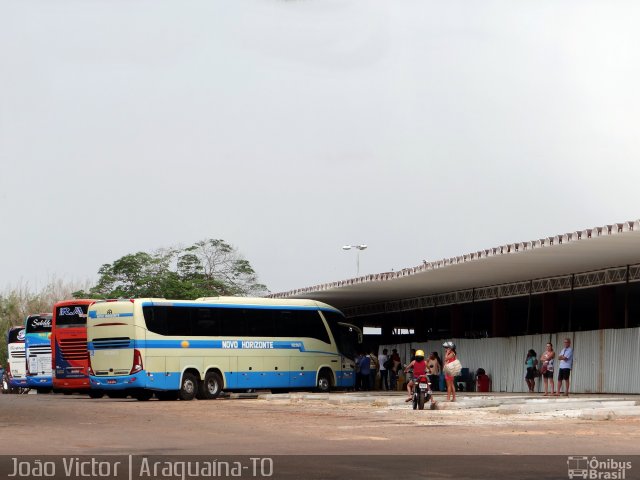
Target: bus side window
232, 322
260, 323
156, 319
179, 321
301, 323
206, 322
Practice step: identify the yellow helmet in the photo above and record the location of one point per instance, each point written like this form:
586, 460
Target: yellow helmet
419, 353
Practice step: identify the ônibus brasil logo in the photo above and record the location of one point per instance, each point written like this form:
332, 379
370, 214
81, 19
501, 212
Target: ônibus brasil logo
597, 468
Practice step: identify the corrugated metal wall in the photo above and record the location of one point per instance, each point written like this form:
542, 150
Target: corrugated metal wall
604, 361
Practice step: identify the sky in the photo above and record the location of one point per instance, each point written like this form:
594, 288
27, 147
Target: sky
289, 128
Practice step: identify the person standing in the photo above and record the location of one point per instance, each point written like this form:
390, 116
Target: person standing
358, 359
531, 363
365, 371
375, 366
384, 373
449, 357
395, 364
434, 365
547, 369
566, 364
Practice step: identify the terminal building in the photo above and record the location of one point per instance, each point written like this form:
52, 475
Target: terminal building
497, 303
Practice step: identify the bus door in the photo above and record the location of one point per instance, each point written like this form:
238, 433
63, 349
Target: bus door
350, 336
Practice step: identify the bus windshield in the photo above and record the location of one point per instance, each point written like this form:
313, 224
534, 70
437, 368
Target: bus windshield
71, 316
347, 336
38, 324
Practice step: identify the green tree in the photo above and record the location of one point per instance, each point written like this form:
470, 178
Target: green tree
208, 268
21, 301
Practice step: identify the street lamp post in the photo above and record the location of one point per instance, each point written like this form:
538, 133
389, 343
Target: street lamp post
358, 248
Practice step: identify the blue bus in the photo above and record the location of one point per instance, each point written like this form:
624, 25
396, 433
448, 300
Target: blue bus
37, 346
186, 349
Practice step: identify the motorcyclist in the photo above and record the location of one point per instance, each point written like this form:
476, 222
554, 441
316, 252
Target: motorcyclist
419, 366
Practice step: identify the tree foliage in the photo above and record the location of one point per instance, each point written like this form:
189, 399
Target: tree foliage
17, 303
207, 268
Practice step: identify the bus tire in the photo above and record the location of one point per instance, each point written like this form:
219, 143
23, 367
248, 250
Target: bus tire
188, 386
96, 394
324, 382
143, 395
117, 394
212, 386
167, 396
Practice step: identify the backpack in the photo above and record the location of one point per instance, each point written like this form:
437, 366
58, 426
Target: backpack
388, 365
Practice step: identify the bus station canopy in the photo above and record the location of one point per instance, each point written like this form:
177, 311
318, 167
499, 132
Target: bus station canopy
610, 246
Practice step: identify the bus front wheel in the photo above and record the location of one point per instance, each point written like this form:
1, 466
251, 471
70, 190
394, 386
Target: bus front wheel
212, 386
324, 382
188, 387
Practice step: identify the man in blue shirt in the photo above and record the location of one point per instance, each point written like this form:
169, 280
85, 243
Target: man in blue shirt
566, 363
365, 371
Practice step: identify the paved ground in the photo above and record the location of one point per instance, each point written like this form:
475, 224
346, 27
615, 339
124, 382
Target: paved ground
337, 423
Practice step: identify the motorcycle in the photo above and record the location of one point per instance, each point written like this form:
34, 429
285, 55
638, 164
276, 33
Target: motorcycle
421, 392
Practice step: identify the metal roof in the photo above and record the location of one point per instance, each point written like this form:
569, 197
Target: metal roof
597, 248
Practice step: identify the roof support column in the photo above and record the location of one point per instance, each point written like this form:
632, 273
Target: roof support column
457, 323
626, 299
549, 312
499, 318
606, 307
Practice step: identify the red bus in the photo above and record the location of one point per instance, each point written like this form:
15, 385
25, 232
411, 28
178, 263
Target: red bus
69, 355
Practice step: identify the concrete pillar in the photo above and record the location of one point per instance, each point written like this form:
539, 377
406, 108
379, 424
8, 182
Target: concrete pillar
549, 312
606, 306
499, 326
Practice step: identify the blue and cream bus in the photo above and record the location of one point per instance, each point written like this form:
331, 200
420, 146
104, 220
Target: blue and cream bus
37, 347
186, 349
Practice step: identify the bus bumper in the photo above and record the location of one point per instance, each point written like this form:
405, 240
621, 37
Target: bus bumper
121, 382
71, 384
39, 382
18, 383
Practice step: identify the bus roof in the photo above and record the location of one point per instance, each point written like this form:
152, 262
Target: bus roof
265, 301
274, 302
77, 301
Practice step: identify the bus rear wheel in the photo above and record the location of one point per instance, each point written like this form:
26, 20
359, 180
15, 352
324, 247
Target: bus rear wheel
188, 387
96, 394
212, 386
143, 395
